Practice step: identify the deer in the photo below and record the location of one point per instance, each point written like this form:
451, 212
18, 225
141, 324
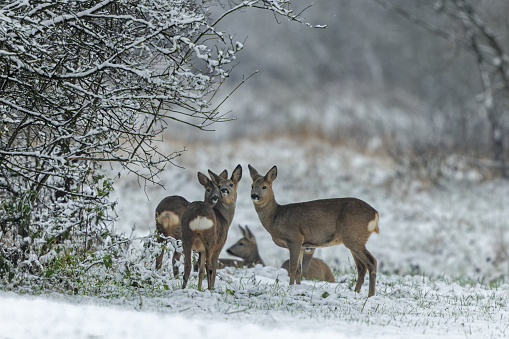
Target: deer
316, 223
245, 248
313, 268
168, 217
205, 228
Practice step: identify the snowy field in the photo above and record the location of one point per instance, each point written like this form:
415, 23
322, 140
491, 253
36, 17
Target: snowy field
250, 303
456, 229
438, 249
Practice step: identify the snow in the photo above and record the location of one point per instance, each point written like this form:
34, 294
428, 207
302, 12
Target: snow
438, 249
252, 303
50, 319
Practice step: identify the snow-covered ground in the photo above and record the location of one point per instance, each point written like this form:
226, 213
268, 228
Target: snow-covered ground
435, 243
257, 302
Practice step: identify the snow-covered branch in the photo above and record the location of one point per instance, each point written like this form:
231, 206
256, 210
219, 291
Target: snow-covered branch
88, 82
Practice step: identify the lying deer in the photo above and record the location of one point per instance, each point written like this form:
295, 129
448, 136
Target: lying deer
316, 223
169, 214
246, 248
313, 268
205, 228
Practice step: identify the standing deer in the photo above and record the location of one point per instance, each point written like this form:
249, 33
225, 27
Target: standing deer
313, 268
169, 214
316, 223
246, 248
205, 228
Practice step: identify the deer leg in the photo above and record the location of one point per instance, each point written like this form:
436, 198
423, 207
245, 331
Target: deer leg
210, 271
295, 252
368, 260
215, 263
159, 259
176, 257
188, 263
298, 272
201, 269
361, 272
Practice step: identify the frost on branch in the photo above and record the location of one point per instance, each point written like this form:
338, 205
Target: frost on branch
87, 82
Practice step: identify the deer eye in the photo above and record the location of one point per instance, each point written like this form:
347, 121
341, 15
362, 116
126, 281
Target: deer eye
231, 185
208, 189
264, 187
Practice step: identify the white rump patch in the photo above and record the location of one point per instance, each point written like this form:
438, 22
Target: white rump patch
373, 224
168, 218
201, 223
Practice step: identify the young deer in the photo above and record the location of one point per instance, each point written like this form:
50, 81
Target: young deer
169, 214
205, 228
316, 223
313, 268
246, 248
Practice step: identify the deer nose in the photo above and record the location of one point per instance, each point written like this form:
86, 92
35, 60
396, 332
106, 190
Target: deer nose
224, 191
255, 197
214, 199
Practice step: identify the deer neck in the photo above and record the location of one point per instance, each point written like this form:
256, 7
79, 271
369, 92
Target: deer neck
254, 258
267, 213
306, 261
225, 212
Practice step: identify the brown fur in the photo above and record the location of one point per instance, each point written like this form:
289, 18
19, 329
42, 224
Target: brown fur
169, 216
316, 223
246, 248
313, 268
222, 263
210, 242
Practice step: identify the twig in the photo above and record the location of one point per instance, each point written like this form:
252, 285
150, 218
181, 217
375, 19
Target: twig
364, 305
141, 300
237, 311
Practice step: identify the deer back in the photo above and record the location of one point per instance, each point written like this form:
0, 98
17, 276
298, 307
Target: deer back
327, 222
169, 211
318, 270
168, 216
313, 268
199, 225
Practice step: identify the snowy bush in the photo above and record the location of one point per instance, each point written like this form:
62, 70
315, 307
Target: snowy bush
83, 83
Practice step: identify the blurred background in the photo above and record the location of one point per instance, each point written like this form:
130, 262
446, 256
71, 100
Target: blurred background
402, 104
397, 75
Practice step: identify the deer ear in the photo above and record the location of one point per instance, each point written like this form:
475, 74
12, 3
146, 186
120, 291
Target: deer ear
271, 174
248, 234
254, 173
202, 178
244, 231
215, 178
237, 174
224, 175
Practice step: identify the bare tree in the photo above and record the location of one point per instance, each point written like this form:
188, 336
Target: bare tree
492, 61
